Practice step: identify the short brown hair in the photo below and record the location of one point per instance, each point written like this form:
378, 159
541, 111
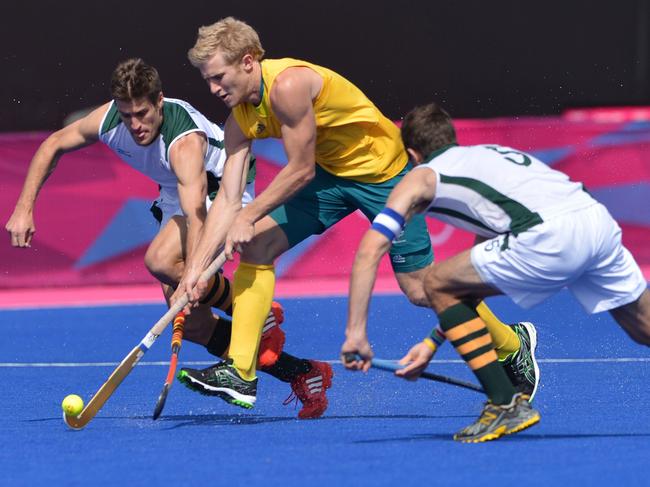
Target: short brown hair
134, 79
233, 37
427, 128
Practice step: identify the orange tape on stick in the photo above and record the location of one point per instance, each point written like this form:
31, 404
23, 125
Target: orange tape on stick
178, 330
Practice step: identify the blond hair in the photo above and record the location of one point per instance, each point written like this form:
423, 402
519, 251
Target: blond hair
232, 37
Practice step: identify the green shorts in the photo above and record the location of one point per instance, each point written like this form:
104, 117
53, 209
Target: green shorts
327, 199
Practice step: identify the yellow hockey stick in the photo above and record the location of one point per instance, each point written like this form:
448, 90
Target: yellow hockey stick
115, 379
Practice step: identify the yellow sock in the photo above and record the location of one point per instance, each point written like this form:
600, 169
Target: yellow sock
505, 340
253, 288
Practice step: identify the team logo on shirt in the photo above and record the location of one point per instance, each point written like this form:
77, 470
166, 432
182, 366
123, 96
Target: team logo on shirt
260, 128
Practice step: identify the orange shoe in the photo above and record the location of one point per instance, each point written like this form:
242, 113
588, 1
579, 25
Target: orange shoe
273, 337
311, 389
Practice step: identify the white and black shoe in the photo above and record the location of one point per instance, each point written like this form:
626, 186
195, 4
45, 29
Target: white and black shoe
521, 366
221, 380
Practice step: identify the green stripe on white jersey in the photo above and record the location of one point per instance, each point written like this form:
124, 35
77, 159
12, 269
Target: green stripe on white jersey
179, 119
111, 119
491, 190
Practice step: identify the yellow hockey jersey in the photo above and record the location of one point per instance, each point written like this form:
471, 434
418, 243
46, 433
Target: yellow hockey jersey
354, 139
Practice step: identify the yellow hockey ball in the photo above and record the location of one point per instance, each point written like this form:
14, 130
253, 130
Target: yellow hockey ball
72, 405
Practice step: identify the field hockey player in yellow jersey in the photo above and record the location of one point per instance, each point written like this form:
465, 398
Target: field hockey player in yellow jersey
343, 155
177, 147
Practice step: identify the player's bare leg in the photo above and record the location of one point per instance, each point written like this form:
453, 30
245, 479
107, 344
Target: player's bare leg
412, 285
165, 257
453, 287
269, 243
165, 260
309, 379
200, 325
515, 344
634, 318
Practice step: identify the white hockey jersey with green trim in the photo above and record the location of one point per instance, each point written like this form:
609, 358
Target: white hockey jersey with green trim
179, 119
491, 189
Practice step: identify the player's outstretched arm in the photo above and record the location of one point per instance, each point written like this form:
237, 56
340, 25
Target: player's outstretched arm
291, 97
409, 197
362, 280
81, 133
415, 361
222, 213
187, 162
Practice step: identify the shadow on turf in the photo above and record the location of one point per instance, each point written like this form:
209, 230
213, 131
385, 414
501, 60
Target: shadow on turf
518, 437
251, 419
184, 420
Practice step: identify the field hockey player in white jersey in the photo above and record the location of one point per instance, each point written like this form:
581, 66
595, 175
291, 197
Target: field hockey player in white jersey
176, 146
537, 232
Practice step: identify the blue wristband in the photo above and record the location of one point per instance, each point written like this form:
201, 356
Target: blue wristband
438, 336
389, 223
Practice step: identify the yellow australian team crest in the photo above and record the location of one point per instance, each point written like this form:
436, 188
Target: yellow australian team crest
259, 128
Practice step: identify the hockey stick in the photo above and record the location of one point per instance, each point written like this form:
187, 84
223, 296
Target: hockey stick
134, 356
392, 366
177, 339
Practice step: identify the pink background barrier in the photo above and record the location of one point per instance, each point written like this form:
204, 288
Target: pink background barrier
93, 223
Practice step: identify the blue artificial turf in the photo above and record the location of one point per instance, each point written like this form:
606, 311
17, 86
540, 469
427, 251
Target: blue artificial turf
378, 430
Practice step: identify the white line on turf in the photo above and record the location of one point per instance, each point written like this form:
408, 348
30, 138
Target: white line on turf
200, 363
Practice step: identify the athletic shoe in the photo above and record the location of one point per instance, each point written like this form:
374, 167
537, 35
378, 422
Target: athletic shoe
499, 420
311, 389
273, 337
221, 380
521, 366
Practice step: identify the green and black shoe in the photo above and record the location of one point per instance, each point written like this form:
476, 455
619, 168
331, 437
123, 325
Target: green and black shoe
221, 380
499, 420
521, 367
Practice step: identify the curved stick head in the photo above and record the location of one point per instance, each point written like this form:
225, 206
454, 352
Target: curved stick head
74, 422
161, 402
